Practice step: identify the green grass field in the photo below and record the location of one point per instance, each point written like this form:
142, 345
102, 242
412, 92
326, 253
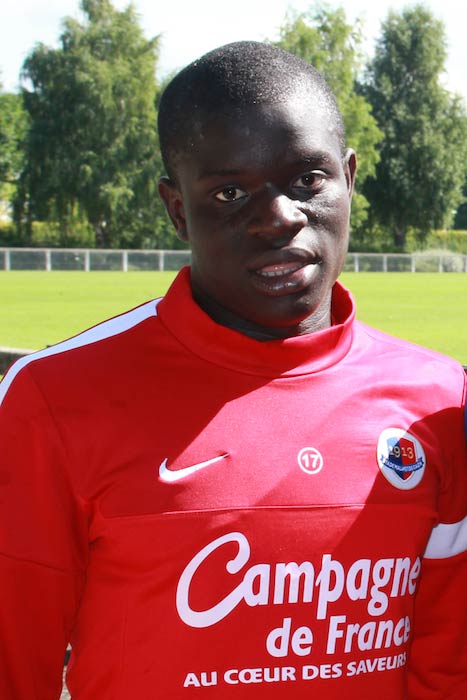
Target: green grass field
41, 308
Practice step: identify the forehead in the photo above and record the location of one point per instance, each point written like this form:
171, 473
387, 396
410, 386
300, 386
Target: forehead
261, 134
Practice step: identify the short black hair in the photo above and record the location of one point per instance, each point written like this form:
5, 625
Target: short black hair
231, 77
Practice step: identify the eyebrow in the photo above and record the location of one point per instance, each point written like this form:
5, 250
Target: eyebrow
307, 161
320, 157
227, 172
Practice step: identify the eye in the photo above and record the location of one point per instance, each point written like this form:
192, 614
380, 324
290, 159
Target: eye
230, 194
309, 181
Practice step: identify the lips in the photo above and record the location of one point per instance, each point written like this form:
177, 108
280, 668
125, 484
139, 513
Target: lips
284, 273
279, 270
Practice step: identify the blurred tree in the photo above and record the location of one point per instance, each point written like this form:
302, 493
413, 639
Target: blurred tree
92, 153
460, 219
13, 126
422, 168
323, 38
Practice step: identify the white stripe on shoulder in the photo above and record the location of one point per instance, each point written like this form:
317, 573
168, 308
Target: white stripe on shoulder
447, 540
106, 329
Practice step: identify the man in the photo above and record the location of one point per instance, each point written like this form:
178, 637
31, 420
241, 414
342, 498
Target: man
238, 491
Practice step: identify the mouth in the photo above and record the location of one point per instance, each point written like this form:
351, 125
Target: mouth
286, 275
279, 270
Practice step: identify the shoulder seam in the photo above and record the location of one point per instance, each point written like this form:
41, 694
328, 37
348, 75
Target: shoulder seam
106, 329
409, 344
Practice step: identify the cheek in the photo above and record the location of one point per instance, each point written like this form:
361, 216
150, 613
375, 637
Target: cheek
213, 251
212, 234
204, 216
339, 209
331, 218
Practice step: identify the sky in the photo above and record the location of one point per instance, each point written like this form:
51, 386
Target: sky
189, 28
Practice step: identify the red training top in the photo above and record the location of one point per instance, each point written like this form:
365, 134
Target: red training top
204, 515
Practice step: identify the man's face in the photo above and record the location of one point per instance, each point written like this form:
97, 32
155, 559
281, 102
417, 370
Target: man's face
264, 199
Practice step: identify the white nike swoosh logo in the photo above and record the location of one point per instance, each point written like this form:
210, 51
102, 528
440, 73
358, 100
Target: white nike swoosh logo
170, 476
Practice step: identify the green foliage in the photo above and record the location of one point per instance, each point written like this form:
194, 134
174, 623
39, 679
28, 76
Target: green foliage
8, 235
13, 126
460, 219
323, 38
374, 239
424, 153
379, 240
452, 240
45, 234
429, 261
92, 152
80, 158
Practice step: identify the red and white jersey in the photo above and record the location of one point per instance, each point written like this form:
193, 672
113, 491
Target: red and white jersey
204, 515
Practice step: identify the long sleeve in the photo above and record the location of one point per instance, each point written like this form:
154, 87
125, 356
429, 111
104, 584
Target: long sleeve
438, 668
42, 545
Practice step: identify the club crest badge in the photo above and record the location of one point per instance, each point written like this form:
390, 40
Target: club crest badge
401, 458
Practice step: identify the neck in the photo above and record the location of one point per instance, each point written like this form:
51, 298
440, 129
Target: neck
317, 321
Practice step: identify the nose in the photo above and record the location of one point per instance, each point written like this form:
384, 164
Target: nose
277, 217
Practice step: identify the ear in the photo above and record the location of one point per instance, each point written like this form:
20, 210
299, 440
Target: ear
172, 198
350, 168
